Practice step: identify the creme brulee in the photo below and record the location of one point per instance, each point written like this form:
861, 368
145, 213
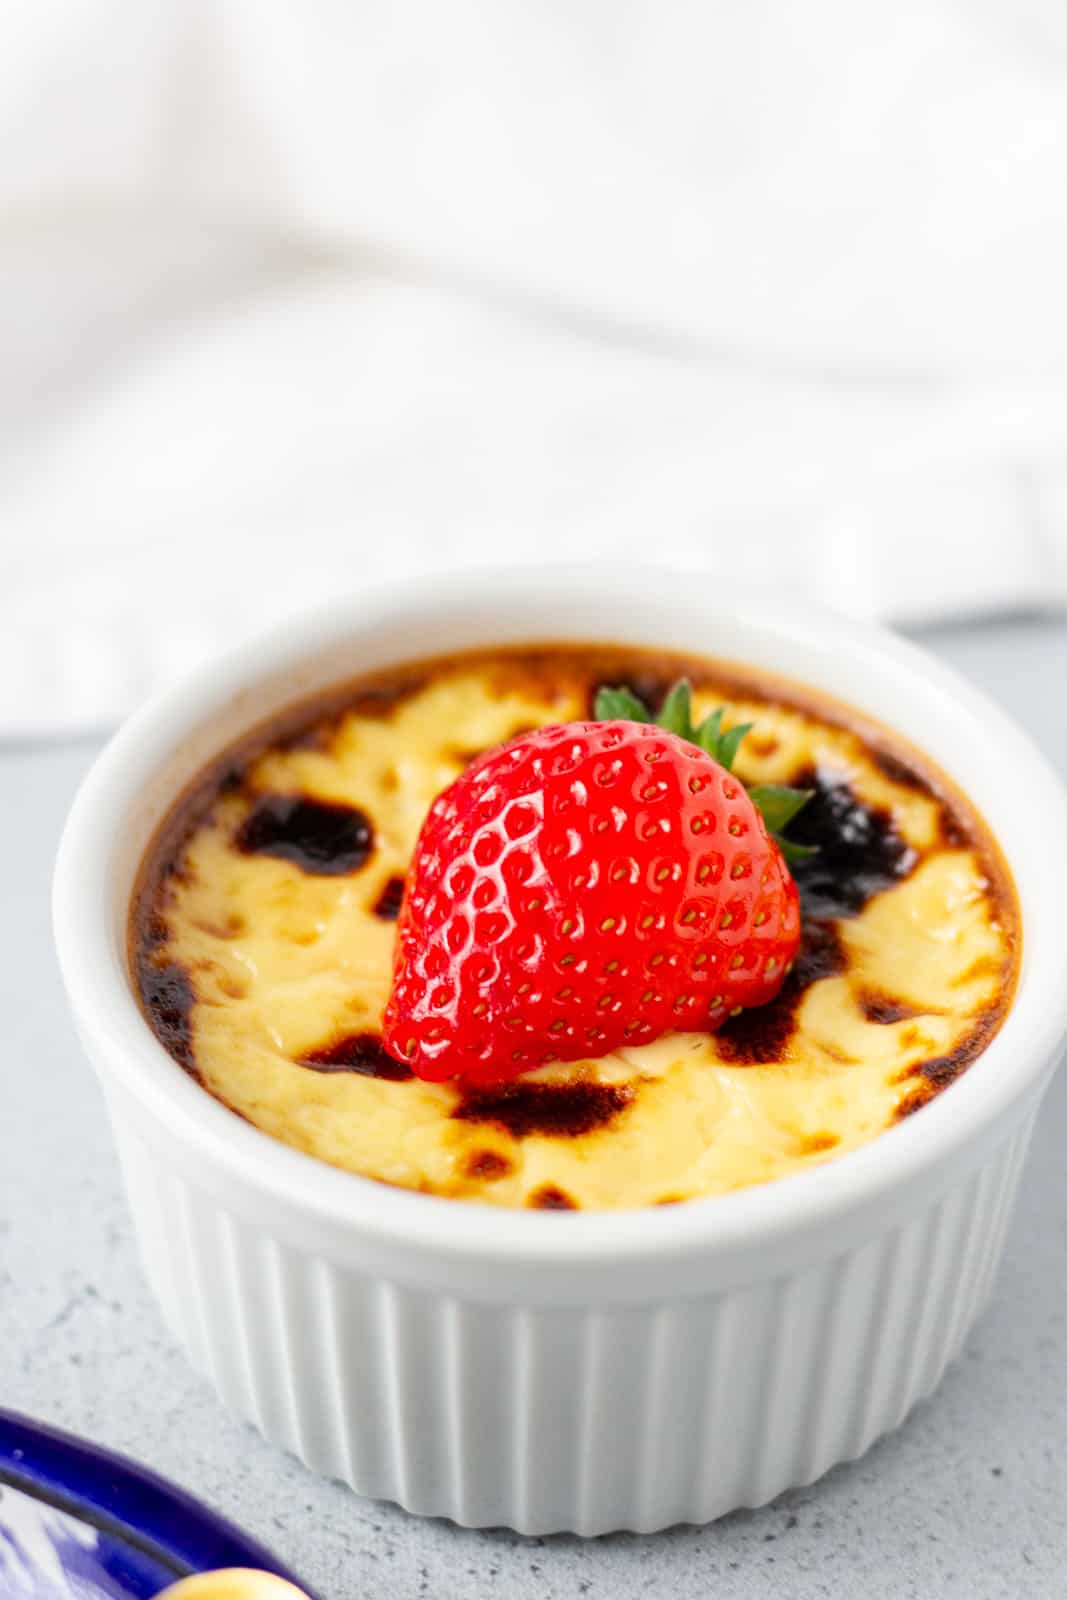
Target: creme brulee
263, 927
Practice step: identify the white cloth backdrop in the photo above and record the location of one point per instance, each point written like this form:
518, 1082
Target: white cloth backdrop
295, 293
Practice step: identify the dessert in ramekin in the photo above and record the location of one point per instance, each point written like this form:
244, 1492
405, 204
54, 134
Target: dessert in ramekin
264, 923
620, 1363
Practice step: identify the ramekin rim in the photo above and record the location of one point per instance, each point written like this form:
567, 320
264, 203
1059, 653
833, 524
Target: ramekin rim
110, 1020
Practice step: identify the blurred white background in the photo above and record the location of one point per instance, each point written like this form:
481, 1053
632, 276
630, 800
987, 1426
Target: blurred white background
296, 293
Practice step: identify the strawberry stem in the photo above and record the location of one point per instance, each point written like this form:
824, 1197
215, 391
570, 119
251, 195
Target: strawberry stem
777, 803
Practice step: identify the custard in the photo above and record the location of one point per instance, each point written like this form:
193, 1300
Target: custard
262, 933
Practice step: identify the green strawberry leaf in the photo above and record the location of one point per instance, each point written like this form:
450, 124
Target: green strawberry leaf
794, 853
676, 714
730, 743
620, 705
777, 803
707, 736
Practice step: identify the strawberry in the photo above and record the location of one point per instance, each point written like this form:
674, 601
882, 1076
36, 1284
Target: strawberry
587, 886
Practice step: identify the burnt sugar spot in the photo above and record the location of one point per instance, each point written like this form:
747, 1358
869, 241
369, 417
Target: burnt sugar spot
898, 771
930, 1077
885, 1008
940, 1071
362, 1053
821, 955
550, 1197
168, 996
816, 1144
955, 832
387, 905
859, 851
230, 778
560, 1110
382, 699
981, 967
955, 835
761, 1035
488, 1165
229, 984
914, 1101
317, 735
154, 930
322, 837
227, 926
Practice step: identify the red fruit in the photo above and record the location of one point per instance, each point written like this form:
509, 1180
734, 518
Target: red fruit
586, 886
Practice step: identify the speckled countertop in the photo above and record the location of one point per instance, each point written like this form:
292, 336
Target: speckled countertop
969, 1499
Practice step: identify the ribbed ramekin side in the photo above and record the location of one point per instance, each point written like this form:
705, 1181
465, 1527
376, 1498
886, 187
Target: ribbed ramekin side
583, 1417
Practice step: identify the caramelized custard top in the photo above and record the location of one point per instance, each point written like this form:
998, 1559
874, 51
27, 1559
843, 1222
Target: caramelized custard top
262, 928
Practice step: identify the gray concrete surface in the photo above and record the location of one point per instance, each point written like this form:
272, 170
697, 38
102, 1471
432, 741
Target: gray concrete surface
969, 1499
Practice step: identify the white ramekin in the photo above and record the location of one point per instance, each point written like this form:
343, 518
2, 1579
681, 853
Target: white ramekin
559, 1371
